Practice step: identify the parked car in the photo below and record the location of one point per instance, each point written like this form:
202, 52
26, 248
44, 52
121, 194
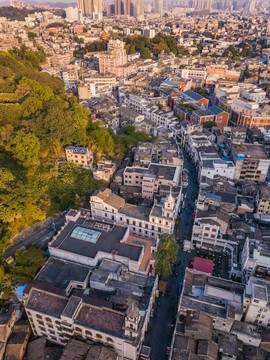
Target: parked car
158, 302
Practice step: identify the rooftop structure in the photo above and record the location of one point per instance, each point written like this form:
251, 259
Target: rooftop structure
143, 221
113, 308
86, 241
251, 162
221, 299
79, 155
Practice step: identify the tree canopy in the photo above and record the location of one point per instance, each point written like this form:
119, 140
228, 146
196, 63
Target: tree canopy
160, 43
166, 254
25, 148
209, 124
37, 121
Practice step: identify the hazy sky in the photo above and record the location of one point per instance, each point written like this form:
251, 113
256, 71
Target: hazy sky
34, 2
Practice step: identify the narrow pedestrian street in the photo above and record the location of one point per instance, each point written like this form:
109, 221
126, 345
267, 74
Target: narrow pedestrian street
162, 324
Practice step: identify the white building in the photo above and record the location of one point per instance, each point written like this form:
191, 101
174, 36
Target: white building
73, 14
256, 302
149, 33
189, 73
254, 94
70, 78
211, 168
142, 221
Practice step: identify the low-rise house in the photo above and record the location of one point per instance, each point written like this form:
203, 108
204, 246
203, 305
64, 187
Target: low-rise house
263, 200
220, 299
18, 341
80, 156
129, 116
221, 117
79, 350
105, 170
202, 116
257, 302
7, 321
197, 99
151, 178
212, 167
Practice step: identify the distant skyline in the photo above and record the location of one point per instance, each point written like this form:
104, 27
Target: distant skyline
42, 2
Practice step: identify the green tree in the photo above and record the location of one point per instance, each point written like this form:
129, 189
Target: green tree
166, 254
145, 53
43, 93
180, 117
28, 262
22, 91
31, 35
200, 47
2, 273
25, 148
209, 124
31, 106
10, 114
6, 177
201, 91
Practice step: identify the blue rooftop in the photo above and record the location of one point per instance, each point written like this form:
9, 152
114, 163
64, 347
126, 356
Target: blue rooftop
77, 149
213, 196
164, 91
20, 290
215, 110
193, 95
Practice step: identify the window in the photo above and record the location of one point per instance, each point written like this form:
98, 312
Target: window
99, 337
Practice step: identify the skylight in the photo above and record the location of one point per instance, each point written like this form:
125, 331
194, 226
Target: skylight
85, 234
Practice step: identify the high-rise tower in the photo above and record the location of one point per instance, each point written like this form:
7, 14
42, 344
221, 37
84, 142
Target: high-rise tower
139, 10
89, 7
86, 7
159, 6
